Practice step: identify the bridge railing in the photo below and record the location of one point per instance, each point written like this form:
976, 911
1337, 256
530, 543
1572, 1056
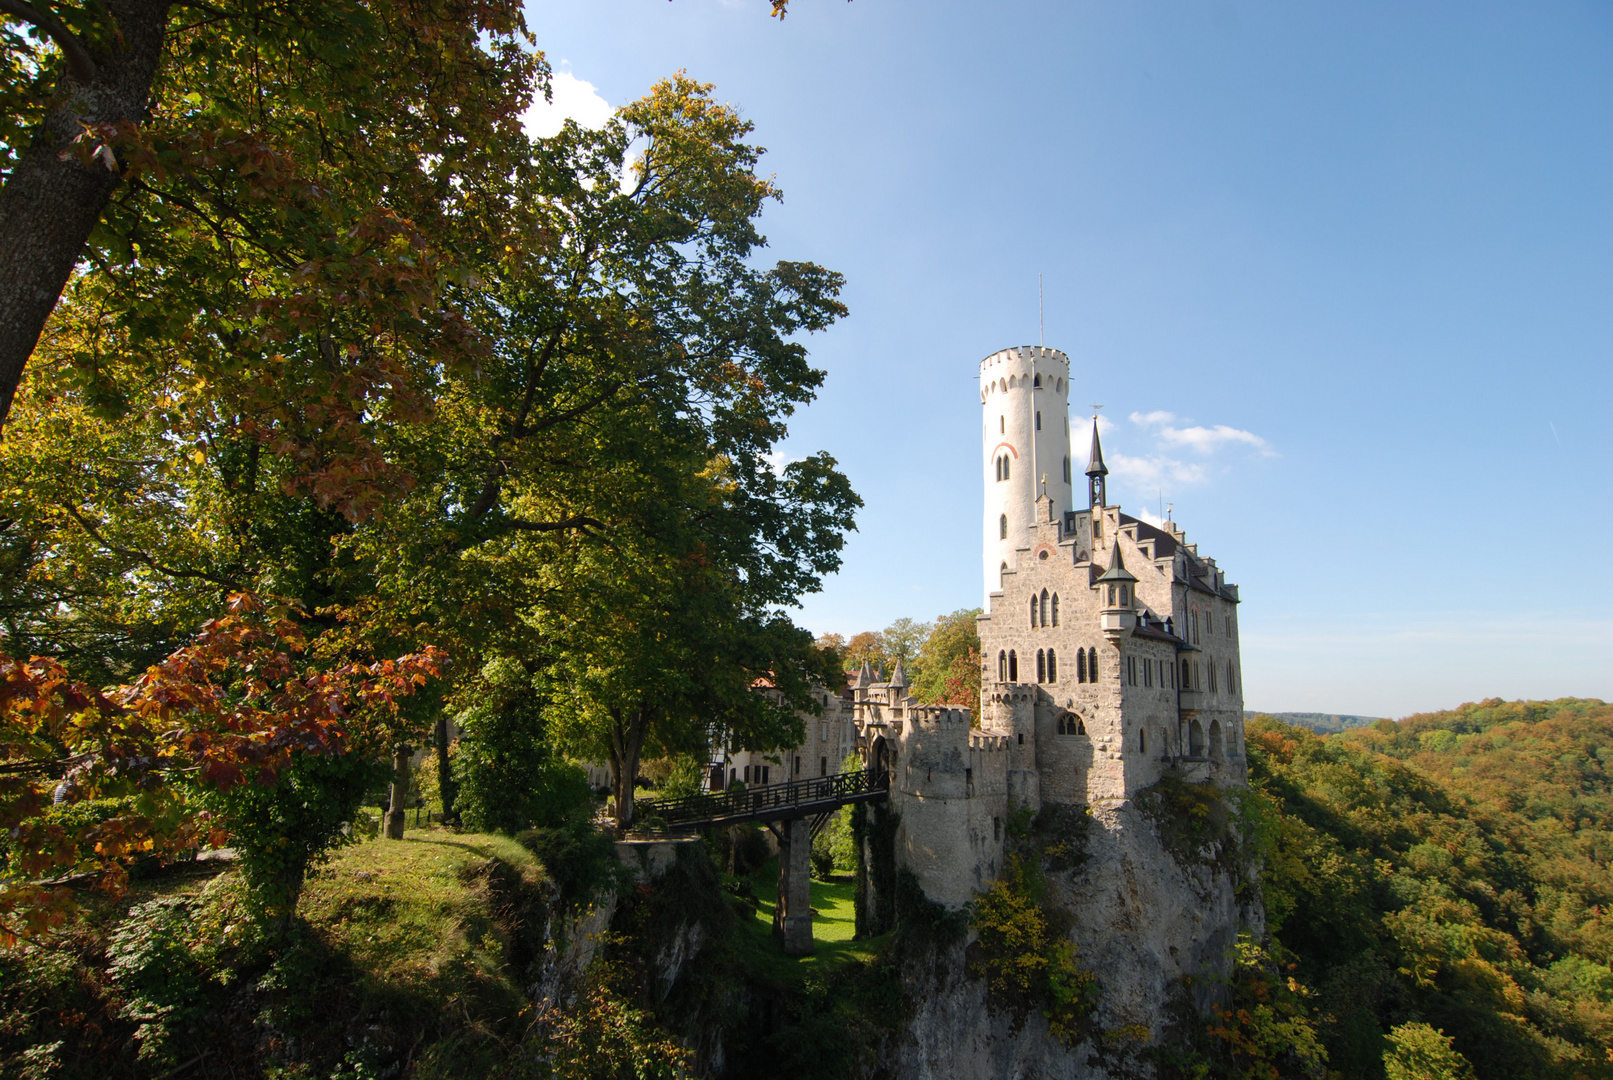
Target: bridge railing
757, 801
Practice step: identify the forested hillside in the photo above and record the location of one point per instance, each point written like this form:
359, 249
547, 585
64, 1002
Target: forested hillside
1450, 869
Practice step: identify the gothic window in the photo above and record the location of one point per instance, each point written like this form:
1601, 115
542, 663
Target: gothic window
1232, 681
1111, 596
1002, 667
1013, 666
1044, 607
1041, 666
1212, 679
1052, 667
1037, 382
1033, 613
1055, 609
1080, 665
1001, 570
1002, 527
1005, 466
1092, 665
1066, 468
1187, 676
1148, 673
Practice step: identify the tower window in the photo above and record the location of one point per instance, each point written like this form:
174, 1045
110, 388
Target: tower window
1002, 570
1013, 666
1066, 468
1002, 527
1080, 665
1044, 607
1092, 665
1002, 425
1052, 666
1033, 613
1005, 466
1055, 609
1037, 382
1038, 420
1142, 741
1002, 667
1148, 673
1041, 666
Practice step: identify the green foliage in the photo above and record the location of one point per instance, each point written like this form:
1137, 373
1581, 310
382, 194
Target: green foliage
834, 850
506, 773
948, 668
1450, 870
279, 830
873, 827
1419, 1052
1267, 1030
579, 859
151, 965
1024, 956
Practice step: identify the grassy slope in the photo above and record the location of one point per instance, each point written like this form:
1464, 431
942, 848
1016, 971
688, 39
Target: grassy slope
403, 949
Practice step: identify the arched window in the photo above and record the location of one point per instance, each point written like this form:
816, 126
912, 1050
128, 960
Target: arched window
1066, 468
1041, 666
1001, 570
1044, 607
1231, 679
1005, 466
1037, 382
1187, 675
1052, 666
1002, 667
1080, 665
1002, 527
1002, 425
1092, 665
1055, 609
1111, 596
1013, 666
1033, 613
1195, 739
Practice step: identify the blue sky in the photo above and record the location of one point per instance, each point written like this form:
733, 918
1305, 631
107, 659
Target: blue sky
1341, 275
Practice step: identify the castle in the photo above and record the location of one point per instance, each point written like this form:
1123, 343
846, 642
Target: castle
1109, 653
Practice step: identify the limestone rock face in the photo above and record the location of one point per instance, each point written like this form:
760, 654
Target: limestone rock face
1145, 920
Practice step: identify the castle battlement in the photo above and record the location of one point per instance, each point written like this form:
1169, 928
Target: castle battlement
1025, 352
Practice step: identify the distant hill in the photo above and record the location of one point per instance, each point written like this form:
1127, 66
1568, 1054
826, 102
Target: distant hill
1320, 722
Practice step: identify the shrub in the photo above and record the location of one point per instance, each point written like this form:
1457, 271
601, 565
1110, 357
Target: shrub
579, 859
279, 831
1025, 962
1420, 1052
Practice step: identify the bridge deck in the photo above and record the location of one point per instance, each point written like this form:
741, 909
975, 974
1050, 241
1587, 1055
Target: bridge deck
772, 802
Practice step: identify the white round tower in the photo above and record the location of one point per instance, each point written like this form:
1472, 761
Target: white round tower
1025, 436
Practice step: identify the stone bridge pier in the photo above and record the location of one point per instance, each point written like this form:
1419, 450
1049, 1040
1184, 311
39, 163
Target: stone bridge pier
792, 918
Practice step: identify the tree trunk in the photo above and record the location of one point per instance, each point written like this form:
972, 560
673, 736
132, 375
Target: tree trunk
51, 201
400, 791
626, 744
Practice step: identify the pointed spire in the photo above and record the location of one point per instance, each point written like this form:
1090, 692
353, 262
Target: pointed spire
1117, 569
1095, 465
898, 676
865, 677
1097, 493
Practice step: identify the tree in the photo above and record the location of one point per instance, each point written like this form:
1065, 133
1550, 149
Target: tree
267, 171
1419, 1052
660, 644
942, 675
867, 647
230, 713
903, 639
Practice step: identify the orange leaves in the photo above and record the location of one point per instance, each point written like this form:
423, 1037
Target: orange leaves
232, 707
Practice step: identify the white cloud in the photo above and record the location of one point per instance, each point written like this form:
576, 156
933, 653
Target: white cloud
1204, 440
1142, 514
1155, 471
571, 99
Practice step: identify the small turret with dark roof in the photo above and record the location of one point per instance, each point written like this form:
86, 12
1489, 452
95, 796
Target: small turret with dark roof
1117, 569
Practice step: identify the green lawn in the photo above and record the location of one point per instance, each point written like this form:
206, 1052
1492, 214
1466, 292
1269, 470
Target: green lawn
833, 923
